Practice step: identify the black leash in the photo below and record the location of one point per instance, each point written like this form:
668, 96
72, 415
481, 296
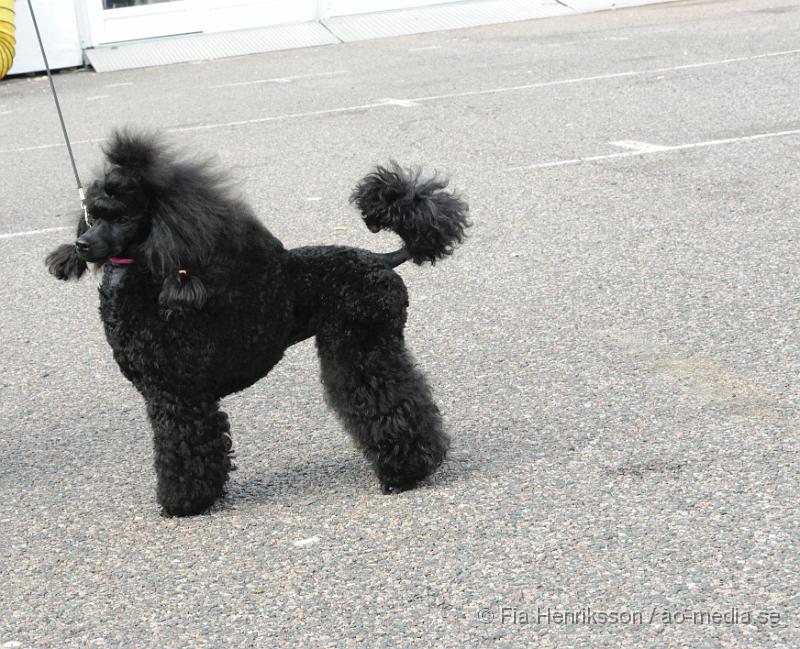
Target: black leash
60, 117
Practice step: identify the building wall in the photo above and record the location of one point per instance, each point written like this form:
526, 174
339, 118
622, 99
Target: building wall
59, 26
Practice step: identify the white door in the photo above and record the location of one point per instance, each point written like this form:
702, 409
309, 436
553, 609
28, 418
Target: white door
228, 15
111, 21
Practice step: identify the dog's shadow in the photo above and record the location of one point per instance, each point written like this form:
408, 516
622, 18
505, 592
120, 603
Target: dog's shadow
310, 481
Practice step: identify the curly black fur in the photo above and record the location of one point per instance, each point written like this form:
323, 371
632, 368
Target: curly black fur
430, 221
200, 300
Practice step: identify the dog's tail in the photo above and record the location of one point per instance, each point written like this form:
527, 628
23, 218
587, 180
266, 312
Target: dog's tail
430, 221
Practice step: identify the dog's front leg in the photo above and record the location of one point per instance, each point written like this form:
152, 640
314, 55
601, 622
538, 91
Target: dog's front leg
192, 453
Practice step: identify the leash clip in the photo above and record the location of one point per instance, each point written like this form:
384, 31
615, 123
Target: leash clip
83, 205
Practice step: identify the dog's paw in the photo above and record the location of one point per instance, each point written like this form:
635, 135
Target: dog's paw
64, 263
389, 488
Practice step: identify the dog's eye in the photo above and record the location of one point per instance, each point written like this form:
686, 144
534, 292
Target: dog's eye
123, 220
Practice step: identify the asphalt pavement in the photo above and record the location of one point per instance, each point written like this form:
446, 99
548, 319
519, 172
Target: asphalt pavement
615, 350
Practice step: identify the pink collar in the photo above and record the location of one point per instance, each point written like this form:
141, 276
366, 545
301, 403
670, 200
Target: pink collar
120, 261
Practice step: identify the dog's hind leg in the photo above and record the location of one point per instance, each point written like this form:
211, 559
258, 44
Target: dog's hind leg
383, 401
192, 453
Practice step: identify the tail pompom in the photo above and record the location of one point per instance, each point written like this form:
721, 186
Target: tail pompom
430, 221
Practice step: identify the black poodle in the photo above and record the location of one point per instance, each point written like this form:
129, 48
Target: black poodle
200, 300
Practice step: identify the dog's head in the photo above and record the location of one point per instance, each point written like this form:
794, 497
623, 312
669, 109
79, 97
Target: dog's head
118, 203
165, 213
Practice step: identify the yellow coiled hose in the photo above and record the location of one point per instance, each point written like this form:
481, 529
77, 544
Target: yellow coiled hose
7, 40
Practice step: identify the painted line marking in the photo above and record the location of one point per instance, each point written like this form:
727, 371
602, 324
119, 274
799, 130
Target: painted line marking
405, 103
96, 97
288, 79
312, 199
678, 147
28, 233
6, 112
642, 147
602, 77
545, 165
582, 41
274, 118
118, 85
471, 93
425, 49
57, 145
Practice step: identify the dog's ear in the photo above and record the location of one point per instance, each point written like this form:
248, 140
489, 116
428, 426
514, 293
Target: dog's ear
187, 204
63, 262
176, 251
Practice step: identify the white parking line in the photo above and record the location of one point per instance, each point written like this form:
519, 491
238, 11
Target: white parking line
28, 233
118, 85
603, 77
556, 163
405, 103
56, 145
453, 95
288, 79
273, 118
425, 48
641, 147
473, 93
655, 149
583, 41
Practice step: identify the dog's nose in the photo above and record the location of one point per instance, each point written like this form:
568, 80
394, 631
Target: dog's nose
81, 245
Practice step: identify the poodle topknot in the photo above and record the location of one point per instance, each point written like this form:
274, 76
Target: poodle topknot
199, 300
